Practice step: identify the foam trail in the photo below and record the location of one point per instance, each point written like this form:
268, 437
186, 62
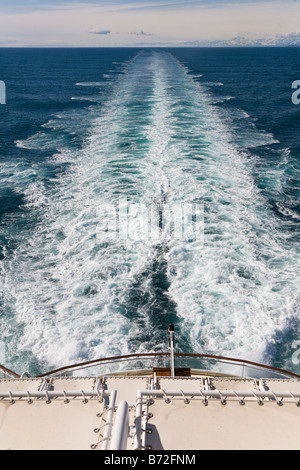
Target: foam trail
81, 293
68, 282
238, 289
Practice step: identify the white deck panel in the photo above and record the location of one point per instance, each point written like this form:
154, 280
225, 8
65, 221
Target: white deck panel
281, 385
233, 384
126, 387
73, 383
55, 426
172, 383
193, 426
15, 385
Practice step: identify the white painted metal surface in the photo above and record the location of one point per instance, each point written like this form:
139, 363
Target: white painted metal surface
139, 413
120, 430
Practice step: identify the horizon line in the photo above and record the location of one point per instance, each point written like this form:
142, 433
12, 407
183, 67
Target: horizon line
264, 46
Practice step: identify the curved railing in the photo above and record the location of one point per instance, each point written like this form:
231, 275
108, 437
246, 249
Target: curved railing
194, 361
196, 358
8, 373
202, 357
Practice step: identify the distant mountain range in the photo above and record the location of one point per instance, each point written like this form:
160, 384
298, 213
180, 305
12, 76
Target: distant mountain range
280, 40
289, 39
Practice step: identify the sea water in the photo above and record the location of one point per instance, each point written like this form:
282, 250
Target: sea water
84, 131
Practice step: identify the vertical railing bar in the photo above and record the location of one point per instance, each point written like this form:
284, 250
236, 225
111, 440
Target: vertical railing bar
109, 421
171, 347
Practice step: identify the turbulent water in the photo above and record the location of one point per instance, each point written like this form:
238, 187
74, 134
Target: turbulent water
82, 130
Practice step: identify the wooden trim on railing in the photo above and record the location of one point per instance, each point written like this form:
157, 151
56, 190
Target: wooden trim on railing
10, 372
147, 355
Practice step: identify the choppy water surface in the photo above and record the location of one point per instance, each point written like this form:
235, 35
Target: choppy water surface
83, 130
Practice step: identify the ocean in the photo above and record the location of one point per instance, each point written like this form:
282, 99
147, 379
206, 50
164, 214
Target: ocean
213, 131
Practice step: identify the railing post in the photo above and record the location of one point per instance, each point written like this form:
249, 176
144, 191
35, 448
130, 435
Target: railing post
138, 420
109, 420
121, 428
171, 347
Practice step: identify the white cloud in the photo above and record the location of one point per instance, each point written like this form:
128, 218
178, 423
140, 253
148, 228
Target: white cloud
141, 33
101, 31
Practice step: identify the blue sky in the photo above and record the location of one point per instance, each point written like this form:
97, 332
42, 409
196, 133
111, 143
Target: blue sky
133, 22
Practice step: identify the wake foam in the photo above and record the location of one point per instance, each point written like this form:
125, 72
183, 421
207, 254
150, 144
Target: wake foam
81, 293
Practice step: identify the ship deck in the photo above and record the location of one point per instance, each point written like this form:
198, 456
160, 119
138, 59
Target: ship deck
150, 411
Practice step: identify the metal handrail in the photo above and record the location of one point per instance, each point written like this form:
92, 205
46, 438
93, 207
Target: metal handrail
171, 354
9, 372
128, 357
103, 360
240, 362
